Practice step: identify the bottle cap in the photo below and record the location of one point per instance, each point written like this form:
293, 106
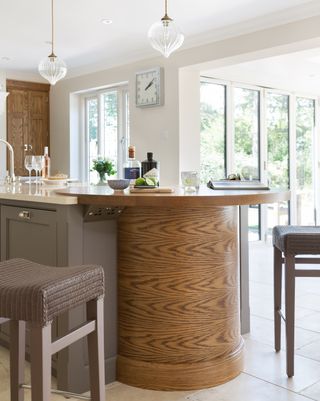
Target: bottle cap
131, 152
150, 156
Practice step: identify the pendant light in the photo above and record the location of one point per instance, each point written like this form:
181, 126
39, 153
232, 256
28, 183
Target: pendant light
52, 68
164, 35
3, 96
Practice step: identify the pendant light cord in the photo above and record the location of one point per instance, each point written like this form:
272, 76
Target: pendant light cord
52, 31
166, 7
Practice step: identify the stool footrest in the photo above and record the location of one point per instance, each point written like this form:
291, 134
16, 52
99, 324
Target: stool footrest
307, 273
74, 335
67, 394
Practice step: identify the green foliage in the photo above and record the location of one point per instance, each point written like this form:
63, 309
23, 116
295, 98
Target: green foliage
103, 166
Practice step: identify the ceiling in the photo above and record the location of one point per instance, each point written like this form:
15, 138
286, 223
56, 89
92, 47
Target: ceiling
87, 45
298, 72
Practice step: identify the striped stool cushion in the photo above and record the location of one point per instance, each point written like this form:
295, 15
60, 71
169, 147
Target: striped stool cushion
38, 293
297, 240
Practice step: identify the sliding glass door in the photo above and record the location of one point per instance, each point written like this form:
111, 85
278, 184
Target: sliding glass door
305, 124
262, 134
213, 131
277, 165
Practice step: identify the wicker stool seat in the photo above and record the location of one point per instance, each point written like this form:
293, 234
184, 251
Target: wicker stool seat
297, 240
290, 244
36, 294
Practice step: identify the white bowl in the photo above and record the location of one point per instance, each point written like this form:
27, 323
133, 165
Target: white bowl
119, 185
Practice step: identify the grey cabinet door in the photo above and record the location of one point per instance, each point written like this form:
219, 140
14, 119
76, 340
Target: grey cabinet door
29, 233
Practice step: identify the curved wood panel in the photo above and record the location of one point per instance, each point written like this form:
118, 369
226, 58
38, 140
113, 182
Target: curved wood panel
178, 297
102, 195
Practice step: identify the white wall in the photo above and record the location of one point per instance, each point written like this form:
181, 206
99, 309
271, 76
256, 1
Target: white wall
159, 129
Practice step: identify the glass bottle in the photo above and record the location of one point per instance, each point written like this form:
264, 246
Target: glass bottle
132, 167
46, 164
150, 168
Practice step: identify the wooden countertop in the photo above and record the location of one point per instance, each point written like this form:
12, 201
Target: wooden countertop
103, 195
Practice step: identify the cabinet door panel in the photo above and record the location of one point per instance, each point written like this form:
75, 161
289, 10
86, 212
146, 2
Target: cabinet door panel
27, 120
38, 121
17, 118
29, 233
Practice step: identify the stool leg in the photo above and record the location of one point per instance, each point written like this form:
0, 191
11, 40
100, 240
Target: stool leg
96, 350
290, 309
17, 358
40, 362
277, 286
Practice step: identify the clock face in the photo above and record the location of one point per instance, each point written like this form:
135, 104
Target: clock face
148, 88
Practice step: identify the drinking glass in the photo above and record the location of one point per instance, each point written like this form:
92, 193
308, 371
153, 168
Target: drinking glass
38, 166
190, 181
29, 165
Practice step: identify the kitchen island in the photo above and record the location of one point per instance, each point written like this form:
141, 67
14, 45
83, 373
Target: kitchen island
178, 299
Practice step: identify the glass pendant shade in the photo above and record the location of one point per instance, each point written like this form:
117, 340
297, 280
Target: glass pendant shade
165, 36
52, 69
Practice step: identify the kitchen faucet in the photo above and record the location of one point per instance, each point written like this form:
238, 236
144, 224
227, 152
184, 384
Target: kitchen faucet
11, 178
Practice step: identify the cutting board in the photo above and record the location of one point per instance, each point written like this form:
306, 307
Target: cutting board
157, 190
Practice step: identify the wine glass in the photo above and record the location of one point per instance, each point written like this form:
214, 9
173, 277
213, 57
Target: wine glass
29, 165
38, 166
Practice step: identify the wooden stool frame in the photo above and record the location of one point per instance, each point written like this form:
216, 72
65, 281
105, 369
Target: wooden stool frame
42, 348
290, 273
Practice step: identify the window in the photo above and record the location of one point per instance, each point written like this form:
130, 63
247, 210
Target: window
305, 123
264, 134
107, 127
213, 131
277, 124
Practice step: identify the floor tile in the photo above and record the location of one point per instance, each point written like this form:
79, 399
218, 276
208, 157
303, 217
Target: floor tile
309, 301
264, 363
312, 391
311, 350
263, 307
122, 392
311, 322
262, 330
246, 388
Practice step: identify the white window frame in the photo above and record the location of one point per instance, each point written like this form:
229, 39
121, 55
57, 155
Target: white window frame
122, 124
230, 85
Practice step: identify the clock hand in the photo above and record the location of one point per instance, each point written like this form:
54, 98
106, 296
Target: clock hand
149, 84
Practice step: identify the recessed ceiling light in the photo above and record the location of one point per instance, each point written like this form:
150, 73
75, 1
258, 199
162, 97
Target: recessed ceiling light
106, 21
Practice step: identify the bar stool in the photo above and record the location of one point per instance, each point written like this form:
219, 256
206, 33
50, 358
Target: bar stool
36, 294
289, 243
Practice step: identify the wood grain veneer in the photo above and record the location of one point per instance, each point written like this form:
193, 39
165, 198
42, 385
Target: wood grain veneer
178, 303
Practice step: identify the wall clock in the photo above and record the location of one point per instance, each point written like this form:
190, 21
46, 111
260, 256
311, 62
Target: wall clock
149, 87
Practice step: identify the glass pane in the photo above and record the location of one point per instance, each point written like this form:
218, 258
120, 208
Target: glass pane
92, 129
213, 132
305, 117
246, 146
110, 137
246, 133
277, 123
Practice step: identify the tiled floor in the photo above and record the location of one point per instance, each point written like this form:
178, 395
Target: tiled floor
263, 377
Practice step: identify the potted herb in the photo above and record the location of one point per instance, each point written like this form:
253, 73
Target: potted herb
103, 167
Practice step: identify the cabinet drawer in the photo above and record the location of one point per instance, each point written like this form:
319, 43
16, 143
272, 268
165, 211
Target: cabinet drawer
29, 233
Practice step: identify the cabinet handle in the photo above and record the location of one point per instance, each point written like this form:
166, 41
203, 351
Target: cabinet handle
24, 214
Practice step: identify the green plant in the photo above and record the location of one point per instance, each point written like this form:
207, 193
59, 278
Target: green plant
103, 166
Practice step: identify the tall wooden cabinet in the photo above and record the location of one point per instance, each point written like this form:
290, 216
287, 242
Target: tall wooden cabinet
27, 120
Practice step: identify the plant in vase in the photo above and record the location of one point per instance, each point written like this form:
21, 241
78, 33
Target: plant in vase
103, 167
